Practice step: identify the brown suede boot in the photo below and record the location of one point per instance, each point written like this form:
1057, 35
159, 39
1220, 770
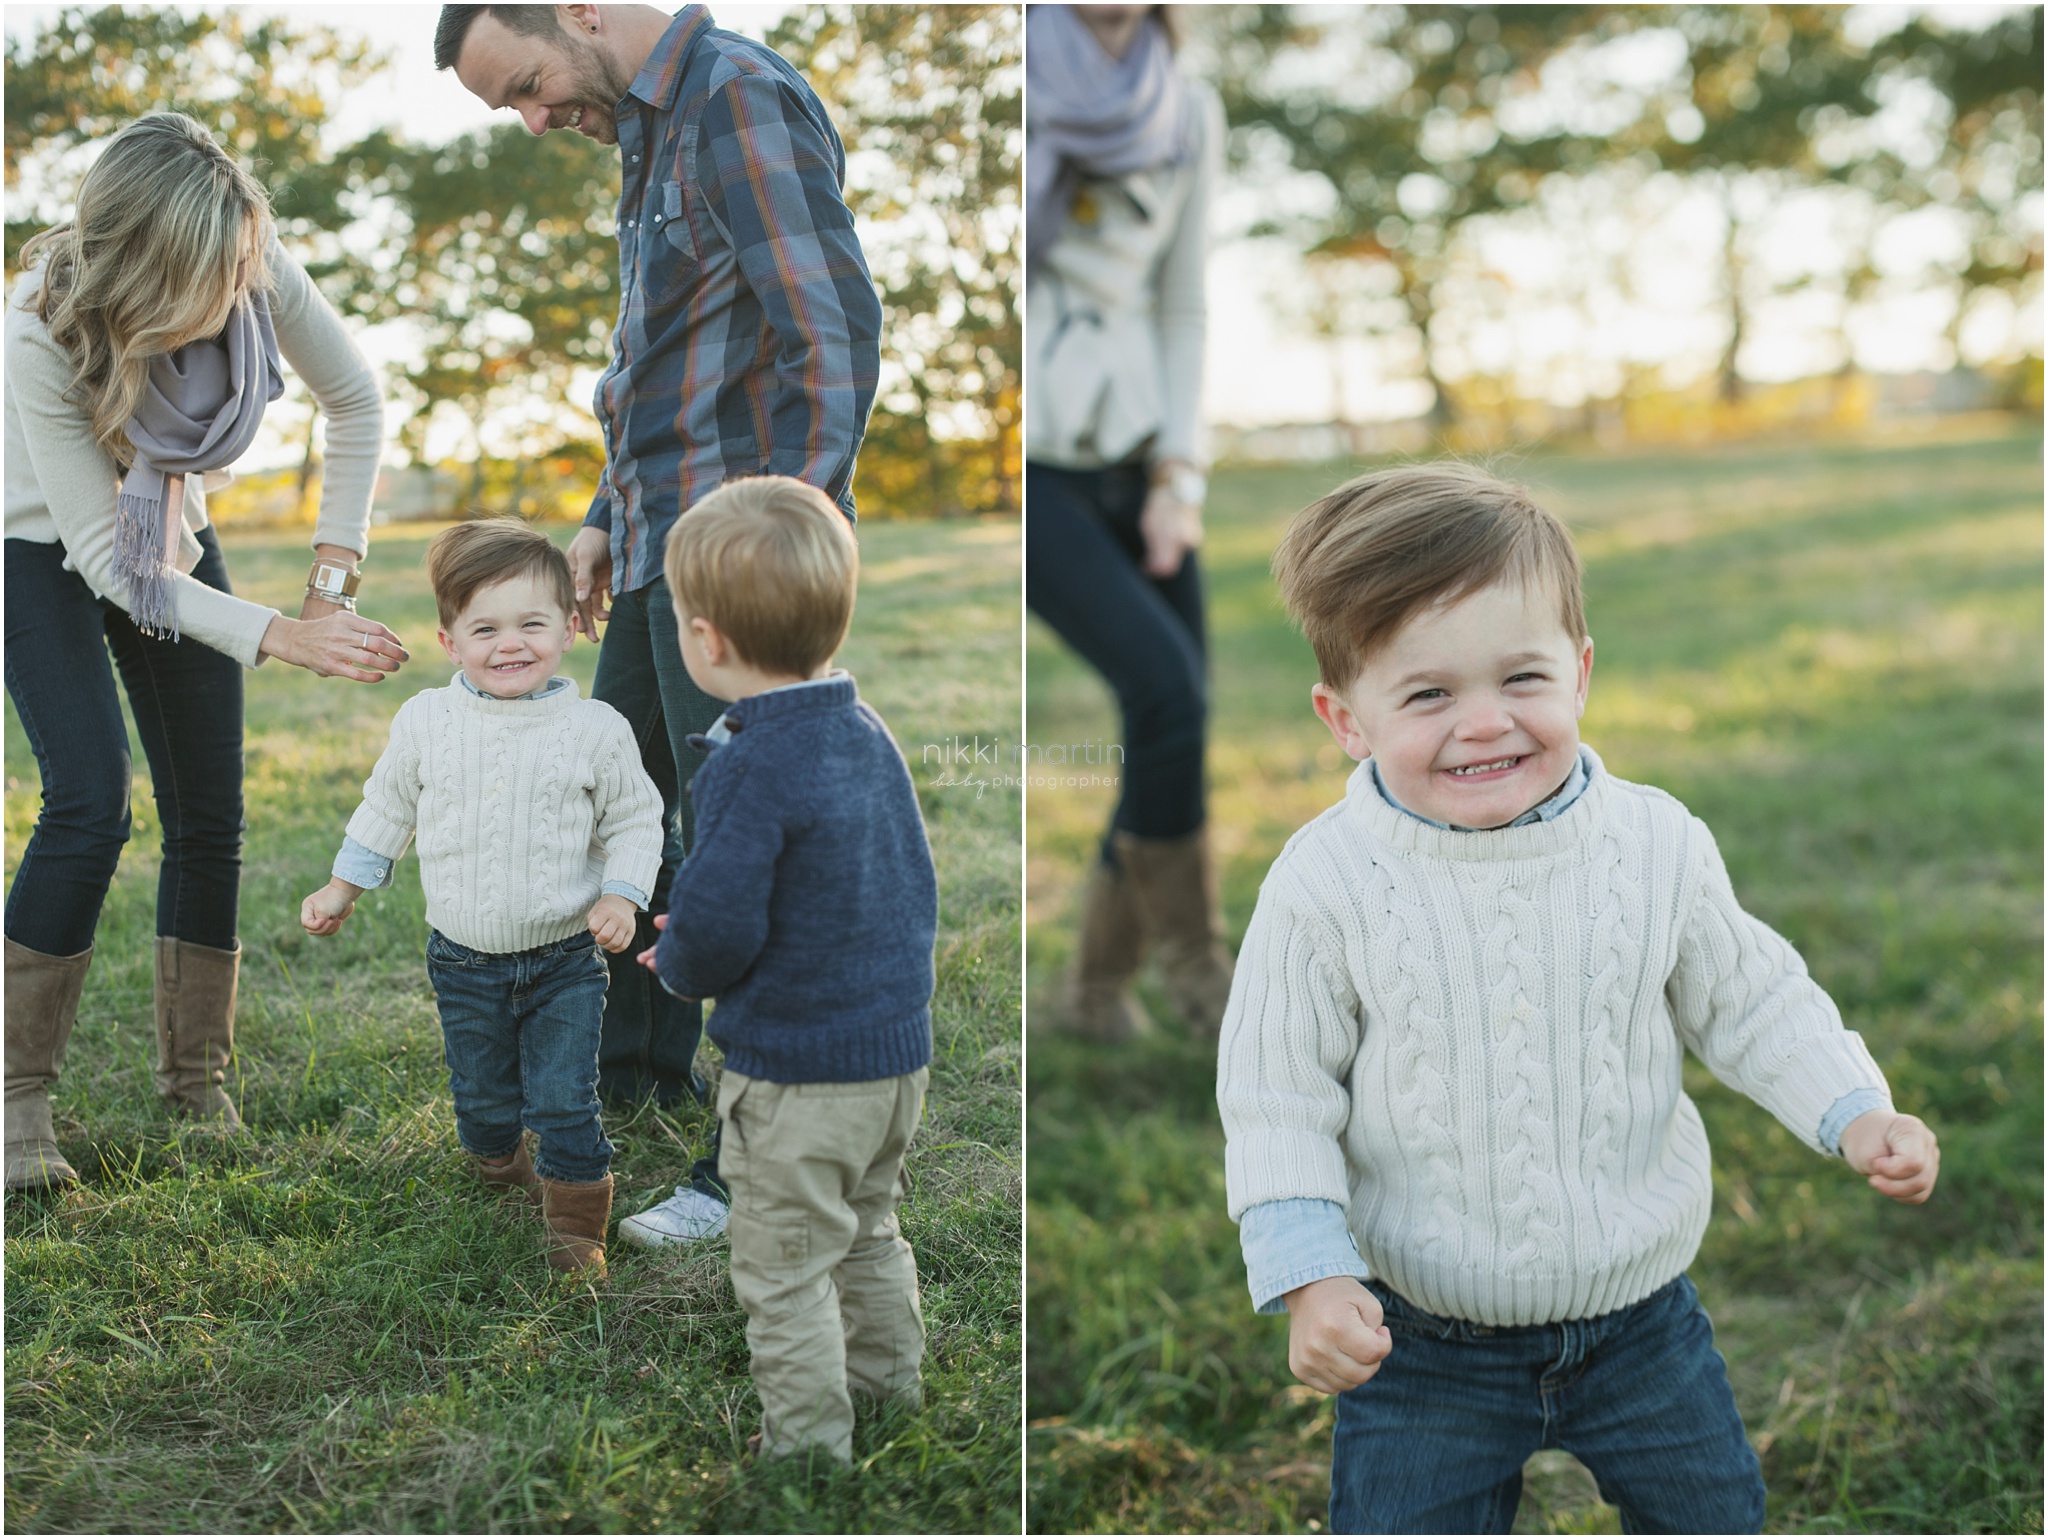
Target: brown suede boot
511, 1177
1180, 906
195, 1027
1107, 952
576, 1213
42, 995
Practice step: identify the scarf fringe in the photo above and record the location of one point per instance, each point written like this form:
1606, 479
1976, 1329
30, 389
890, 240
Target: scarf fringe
139, 564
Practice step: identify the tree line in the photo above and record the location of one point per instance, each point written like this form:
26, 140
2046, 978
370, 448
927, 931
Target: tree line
1422, 122
499, 250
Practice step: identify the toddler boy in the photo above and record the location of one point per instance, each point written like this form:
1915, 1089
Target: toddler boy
1458, 1150
539, 838
807, 909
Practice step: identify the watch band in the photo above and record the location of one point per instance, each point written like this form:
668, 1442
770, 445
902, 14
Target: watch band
330, 580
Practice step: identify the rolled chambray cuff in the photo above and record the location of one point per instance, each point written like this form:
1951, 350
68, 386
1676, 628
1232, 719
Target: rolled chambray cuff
1292, 1243
361, 866
1846, 1111
626, 890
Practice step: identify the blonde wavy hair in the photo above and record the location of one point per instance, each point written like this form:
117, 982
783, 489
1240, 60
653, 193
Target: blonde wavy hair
168, 234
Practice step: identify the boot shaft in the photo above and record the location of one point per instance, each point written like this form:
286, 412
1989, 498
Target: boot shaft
42, 994
195, 1026
576, 1213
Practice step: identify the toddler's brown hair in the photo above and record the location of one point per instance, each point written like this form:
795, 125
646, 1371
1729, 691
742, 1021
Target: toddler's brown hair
1360, 562
772, 563
472, 556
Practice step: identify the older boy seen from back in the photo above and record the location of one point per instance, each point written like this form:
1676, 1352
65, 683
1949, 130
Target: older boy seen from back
807, 909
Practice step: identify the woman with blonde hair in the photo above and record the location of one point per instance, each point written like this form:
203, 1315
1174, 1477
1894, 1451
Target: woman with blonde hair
142, 346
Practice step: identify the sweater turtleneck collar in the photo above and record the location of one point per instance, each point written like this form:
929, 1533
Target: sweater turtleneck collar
548, 703
1531, 841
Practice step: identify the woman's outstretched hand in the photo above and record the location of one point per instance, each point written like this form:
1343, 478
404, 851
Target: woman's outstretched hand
343, 645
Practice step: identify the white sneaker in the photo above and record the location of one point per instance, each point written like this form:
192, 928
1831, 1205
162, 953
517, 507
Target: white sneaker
688, 1215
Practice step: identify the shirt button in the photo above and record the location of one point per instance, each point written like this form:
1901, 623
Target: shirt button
629, 224
633, 157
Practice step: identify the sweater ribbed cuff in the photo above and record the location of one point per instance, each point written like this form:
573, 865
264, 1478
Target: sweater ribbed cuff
1823, 1070
376, 832
635, 865
1275, 1164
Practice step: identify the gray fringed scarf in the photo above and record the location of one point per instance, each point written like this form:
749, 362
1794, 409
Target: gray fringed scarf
199, 410
1092, 115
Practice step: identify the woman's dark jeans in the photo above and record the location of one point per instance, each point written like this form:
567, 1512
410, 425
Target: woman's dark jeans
1084, 576
187, 700
1434, 1442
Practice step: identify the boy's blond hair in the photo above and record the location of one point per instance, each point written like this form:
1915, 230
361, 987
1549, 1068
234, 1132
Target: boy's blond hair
770, 562
1365, 559
472, 556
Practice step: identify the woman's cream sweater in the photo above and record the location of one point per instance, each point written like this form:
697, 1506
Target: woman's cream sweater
62, 486
1473, 1042
1117, 315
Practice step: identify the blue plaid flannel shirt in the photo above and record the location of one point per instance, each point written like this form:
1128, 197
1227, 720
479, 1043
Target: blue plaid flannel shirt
749, 332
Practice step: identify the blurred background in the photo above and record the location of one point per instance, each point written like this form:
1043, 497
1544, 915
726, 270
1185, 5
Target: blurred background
481, 267
1751, 297
1626, 223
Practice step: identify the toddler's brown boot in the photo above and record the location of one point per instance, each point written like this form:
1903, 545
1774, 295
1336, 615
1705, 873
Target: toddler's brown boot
576, 1213
510, 1176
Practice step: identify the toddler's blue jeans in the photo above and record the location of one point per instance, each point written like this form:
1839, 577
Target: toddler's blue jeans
521, 1033
1435, 1441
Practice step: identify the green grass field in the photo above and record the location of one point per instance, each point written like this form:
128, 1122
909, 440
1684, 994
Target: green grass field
320, 1326
1833, 655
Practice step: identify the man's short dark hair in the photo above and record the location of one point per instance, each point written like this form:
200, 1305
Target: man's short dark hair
532, 20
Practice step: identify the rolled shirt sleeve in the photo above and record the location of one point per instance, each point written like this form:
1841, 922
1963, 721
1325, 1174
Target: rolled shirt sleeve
361, 866
1291, 1243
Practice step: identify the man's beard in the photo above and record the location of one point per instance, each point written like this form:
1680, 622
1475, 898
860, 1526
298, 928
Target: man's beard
597, 93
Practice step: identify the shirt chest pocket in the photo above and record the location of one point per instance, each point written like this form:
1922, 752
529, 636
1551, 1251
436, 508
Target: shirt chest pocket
670, 259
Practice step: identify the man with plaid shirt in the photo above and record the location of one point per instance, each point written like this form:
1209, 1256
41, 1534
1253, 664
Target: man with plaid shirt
748, 342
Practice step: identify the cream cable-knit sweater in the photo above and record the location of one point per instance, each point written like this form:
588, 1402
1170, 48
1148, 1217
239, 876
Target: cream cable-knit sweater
524, 809
1473, 1042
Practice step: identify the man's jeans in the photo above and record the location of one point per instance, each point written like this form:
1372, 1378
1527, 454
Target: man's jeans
650, 1038
521, 1034
1435, 1441
187, 700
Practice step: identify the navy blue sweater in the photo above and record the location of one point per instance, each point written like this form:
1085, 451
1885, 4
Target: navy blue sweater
808, 905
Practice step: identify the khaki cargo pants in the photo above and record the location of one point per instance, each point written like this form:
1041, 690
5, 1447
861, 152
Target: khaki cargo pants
828, 1282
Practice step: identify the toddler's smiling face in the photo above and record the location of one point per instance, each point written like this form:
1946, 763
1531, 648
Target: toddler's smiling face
1471, 710
509, 637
